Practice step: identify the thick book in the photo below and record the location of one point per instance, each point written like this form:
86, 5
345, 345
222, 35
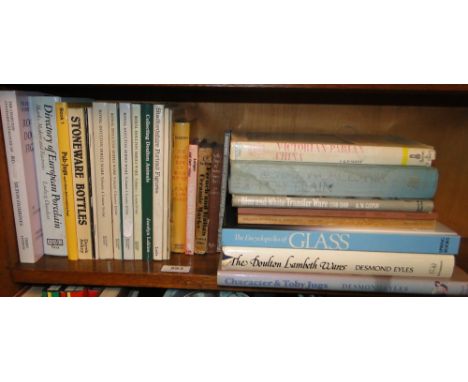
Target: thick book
102, 186
19, 150
325, 221
136, 165
116, 190
192, 177
337, 262
205, 156
65, 154
441, 240
338, 213
314, 148
224, 181
126, 179
335, 180
369, 204
180, 151
457, 285
78, 143
147, 181
158, 185
214, 198
49, 183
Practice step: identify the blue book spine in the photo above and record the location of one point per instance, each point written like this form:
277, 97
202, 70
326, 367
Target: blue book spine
343, 240
335, 180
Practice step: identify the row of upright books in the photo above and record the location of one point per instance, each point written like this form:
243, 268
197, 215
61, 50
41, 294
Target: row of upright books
349, 213
108, 180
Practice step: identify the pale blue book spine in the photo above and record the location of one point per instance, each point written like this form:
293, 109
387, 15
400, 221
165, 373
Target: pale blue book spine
343, 240
333, 180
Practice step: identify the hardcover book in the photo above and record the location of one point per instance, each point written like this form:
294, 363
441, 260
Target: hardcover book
457, 285
340, 180
375, 204
180, 147
205, 156
46, 152
440, 240
350, 149
214, 198
192, 176
19, 152
337, 262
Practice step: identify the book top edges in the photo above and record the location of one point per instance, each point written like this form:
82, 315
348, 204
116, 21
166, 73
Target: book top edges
339, 139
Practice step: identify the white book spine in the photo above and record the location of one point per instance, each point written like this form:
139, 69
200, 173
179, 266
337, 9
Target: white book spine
350, 283
136, 143
45, 140
338, 262
114, 140
20, 158
93, 165
103, 181
158, 176
331, 153
127, 179
191, 199
167, 182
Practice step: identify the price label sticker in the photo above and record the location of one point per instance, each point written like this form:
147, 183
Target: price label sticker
176, 268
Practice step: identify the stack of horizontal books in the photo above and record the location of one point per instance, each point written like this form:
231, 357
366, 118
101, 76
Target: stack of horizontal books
337, 212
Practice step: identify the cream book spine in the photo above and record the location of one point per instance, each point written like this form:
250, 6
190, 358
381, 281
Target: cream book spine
136, 165
158, 175
125, 120
167, 182
76, 123
102, 186
337, 262
92, 168
19, 149
191, 199
114, 140
49, 182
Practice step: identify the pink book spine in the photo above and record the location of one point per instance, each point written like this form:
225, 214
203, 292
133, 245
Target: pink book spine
191, 199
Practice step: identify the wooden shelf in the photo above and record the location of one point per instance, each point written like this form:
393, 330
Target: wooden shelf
57, 270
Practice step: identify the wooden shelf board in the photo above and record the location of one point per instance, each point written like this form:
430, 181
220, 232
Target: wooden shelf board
56, 270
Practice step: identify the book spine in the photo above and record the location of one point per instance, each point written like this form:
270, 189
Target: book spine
136, 141
299, 179
45, 140
63, 134
334, 262
331, 153
102, 187
167, 182
147, 181
205, 155
158, 174
19, 149
214, 198
224, 181
114, 139
93, 180
180, 151
322, 221
126, 179
341, 283
192, 176
343, 240
76, 125
408, 205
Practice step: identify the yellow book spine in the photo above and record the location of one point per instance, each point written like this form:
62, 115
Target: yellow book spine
180, 150
67, 179
76, 123
205, 156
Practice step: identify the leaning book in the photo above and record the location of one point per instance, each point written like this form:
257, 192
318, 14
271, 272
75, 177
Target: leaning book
17, 135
